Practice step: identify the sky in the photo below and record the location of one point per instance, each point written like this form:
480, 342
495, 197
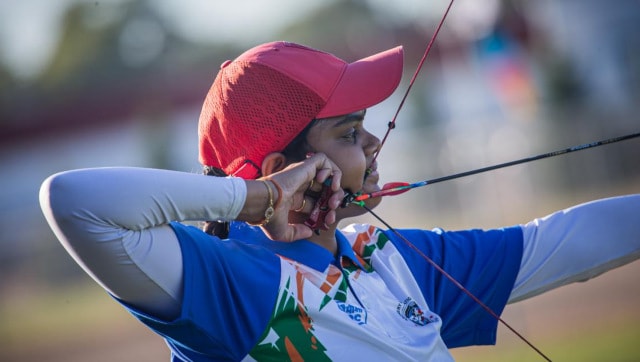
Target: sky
30, 29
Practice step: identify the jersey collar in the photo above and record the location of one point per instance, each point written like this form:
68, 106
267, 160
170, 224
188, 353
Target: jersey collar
302, 251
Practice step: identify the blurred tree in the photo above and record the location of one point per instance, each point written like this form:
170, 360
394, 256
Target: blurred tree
113, 61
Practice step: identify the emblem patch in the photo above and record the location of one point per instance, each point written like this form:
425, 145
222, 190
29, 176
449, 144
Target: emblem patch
409, 310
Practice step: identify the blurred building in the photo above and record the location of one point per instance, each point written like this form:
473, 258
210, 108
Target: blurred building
124, 88
506, 80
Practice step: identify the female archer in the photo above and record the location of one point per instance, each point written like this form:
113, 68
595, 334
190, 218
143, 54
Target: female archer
271, 277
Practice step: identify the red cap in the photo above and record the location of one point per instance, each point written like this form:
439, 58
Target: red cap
263, 99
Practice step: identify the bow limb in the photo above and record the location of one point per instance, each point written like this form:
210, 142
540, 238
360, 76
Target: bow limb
391, 125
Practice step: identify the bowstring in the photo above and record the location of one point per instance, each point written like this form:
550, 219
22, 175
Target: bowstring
391, 125
456, 283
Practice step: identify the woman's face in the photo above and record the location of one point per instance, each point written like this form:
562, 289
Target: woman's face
348, 144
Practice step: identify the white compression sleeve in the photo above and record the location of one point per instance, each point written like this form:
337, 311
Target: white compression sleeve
577, 244
113, 221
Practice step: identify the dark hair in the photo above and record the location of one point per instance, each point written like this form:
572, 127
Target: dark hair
217, 228
295, 151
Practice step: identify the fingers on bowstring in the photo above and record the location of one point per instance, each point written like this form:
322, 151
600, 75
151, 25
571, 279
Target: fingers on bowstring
300, 231
325, 169
330, 218
290, 232
336, 199
302, 205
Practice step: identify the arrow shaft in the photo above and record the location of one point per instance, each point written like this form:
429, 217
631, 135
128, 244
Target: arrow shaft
386, 192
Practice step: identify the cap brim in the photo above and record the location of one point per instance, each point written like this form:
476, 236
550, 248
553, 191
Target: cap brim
365, 83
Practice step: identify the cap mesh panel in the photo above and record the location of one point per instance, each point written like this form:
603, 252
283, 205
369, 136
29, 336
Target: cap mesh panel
253, 110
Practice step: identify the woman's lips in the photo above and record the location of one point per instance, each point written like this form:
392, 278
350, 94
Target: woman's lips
373, 166
372, 173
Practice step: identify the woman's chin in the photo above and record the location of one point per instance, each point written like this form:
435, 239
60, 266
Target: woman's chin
371, 203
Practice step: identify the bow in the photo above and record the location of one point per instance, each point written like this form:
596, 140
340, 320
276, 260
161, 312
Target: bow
316, 220
392, 124
396, 188
354, 198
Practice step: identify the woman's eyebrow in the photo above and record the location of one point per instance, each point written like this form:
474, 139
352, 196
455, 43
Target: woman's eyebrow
350, 118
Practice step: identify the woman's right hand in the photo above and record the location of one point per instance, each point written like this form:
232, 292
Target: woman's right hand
300, 183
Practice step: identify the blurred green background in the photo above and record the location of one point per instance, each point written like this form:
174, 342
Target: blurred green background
120, 83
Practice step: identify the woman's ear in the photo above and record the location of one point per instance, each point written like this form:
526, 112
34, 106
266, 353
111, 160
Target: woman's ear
274, 162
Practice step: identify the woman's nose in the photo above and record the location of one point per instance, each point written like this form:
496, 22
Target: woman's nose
373, 144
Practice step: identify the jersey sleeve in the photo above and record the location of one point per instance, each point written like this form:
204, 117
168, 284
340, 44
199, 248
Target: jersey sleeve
485, 262
228, 297
578, 243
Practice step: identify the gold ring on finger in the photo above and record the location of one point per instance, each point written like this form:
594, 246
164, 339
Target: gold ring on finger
304, 202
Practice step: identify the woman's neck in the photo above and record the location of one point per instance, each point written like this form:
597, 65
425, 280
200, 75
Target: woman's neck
326, 239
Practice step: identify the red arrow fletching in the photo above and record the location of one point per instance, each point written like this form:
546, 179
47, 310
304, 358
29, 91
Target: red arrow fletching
393, 185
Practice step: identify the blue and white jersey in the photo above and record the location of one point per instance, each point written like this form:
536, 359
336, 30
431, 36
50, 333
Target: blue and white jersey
250, 298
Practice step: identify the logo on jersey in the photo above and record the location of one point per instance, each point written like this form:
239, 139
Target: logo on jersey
409, 310
357, 314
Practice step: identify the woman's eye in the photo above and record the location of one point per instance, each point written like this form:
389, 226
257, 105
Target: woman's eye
351, 136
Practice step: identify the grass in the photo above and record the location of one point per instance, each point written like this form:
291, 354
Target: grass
43, 323
618, 342
76, 323
66, 311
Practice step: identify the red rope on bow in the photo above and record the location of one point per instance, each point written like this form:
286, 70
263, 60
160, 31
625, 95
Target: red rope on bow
391, 126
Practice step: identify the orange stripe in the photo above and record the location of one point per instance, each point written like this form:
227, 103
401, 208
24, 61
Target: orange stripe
360, 243
304, 317
293, 353
330, 281
299, 287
